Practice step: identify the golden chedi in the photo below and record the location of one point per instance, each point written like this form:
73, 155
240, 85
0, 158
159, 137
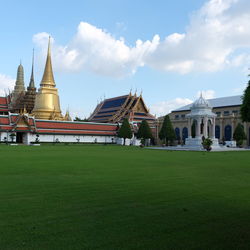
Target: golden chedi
47, 104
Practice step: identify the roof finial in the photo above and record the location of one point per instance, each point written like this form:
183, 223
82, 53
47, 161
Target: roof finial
48, 77
49, 46
32, 82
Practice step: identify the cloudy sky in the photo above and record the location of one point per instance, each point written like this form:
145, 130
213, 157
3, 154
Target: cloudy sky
169, 50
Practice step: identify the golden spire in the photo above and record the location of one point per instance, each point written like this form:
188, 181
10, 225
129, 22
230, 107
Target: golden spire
48, 77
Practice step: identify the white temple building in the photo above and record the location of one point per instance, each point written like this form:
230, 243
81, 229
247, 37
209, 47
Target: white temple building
203, 120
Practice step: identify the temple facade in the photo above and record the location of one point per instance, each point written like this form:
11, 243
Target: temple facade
227, 116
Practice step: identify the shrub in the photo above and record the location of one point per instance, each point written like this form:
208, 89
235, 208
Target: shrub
207, 144
239, 135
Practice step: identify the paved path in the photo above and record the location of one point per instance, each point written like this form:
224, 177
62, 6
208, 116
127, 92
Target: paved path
185, 148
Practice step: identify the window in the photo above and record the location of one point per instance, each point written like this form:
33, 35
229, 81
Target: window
218, 113
226, 113
235, 112
176, 116
183, 116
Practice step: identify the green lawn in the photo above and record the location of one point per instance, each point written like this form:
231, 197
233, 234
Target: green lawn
114, 197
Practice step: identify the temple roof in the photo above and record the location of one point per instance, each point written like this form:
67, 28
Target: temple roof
25, 123
4, 101
217, 102
117, 108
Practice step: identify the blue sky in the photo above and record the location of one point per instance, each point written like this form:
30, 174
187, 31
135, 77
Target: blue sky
184, 47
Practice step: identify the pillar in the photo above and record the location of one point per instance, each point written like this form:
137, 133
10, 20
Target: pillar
205, 127
198, 128
232, 132
189, 128
221, 129
213, 129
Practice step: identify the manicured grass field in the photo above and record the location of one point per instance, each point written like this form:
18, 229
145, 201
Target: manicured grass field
114, 197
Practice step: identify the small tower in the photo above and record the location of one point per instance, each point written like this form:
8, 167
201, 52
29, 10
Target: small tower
19, 85
19, 90
30, 95
47, 103
67, 116
32, 81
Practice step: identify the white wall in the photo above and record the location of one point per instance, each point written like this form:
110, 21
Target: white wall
7, 135
71, 138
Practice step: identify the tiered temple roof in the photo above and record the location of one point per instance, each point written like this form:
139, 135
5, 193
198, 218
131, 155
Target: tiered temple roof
116, 109
25, 123
4, 107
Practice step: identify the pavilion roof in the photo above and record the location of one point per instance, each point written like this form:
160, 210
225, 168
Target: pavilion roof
217, 102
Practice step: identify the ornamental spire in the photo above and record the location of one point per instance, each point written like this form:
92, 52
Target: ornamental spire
19, 86
32, 82
48, 77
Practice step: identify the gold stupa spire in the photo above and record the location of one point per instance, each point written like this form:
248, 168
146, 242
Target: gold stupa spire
48, 77
47, 104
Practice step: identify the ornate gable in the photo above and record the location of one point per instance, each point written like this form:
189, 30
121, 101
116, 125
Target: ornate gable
23, 123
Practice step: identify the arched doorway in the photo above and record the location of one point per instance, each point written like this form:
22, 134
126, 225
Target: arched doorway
193, 129
228, 133
184, 134
217, 131
177, 133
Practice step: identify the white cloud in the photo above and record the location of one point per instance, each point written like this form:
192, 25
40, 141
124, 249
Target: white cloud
95, 50
239, 90
165, 107
214, 39
207, 94
6, 84
211, 41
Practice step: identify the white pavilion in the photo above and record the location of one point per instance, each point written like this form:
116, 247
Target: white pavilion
203, 118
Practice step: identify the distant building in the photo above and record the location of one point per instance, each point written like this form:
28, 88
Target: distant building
227, 110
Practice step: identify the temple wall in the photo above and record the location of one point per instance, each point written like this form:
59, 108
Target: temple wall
71, 138
31, 138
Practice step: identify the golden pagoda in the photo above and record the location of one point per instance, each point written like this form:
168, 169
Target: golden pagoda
47, 104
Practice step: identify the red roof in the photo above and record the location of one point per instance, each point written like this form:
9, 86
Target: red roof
74, 126
4, 120
59, 127
75, 132
3, 100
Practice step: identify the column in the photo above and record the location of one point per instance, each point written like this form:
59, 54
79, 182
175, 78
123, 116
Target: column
232, 132
189, 128
205, 127
198, 128
213, 129
221, 129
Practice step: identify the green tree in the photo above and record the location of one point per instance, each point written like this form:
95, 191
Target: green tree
144, 131
167, 132
125, 131
239, 134
245, 107
78, 119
